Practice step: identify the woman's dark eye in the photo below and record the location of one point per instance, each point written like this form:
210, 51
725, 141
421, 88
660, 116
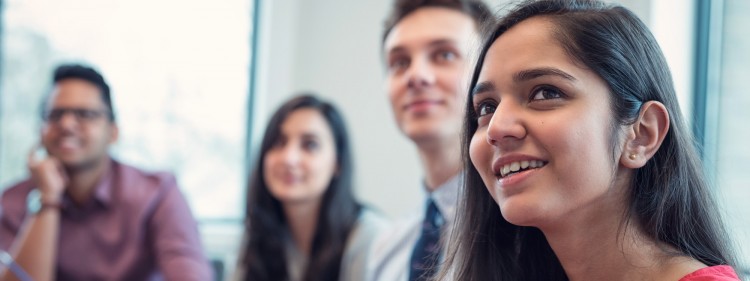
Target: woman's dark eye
279, 142
310, 145
546, 93
485, 108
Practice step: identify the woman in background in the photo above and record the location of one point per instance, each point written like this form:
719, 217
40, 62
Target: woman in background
302, 221
579, 164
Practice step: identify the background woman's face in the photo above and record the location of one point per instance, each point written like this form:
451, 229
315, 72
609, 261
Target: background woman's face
543, 146
302, 162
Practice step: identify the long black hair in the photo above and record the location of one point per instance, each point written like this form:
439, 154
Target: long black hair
669, 197
265, 224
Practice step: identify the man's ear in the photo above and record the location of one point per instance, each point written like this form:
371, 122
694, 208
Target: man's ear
645, 135
114, 133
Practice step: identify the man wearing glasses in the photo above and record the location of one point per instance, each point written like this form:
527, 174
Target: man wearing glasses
85, 216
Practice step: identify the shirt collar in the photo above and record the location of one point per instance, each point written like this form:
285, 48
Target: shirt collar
101, 194
446, 197
103, 189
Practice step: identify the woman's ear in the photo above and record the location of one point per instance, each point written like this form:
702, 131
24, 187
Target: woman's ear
645, 135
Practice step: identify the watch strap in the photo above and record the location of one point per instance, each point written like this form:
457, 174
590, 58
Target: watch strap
50, 205
35, 203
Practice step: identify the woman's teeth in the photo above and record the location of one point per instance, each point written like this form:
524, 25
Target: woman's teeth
520, 166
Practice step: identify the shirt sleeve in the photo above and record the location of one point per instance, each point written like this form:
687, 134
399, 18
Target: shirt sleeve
9, 220
6, 233
176, 240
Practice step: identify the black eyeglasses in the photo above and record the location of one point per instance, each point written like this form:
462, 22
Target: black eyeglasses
81, 114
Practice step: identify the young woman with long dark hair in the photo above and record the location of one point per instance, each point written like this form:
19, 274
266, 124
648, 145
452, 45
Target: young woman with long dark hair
302, 220
579, 165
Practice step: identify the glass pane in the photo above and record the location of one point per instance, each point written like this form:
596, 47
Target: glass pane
178, 70
732, 150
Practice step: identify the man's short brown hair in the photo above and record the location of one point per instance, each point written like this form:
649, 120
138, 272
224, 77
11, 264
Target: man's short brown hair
477, 10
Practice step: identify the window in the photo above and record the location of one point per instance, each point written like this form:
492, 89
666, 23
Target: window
179, 77
179, 74
721, 111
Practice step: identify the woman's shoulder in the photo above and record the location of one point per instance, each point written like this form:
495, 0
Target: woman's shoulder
371, 220
712, 273
369, 225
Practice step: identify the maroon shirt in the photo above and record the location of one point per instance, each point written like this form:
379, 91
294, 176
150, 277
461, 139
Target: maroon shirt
137, 226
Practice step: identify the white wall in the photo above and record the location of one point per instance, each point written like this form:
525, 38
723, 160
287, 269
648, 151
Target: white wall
338, 55
333, 48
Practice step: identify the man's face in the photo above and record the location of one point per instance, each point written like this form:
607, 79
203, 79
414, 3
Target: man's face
427, 59
77, 130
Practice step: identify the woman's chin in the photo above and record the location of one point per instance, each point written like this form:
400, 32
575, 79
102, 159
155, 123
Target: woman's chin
518, 214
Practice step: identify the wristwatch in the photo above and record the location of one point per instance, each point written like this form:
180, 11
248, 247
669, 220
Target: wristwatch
35, 204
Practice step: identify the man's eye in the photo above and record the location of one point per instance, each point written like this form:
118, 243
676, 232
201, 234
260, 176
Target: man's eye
445, 56
53, 115
87, 114
546, 93
398, 64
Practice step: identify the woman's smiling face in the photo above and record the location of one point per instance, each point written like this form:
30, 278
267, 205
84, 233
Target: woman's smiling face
302, 162
543, 145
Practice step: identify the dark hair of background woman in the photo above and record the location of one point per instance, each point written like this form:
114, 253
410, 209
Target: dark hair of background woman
264, 257
669, 197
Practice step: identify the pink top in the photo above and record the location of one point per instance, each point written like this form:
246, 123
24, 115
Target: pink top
136, 227
712, 273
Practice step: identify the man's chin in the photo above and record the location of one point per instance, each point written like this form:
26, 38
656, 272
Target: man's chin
422, 133
77, 164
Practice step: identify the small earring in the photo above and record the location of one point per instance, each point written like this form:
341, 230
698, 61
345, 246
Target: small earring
632, 156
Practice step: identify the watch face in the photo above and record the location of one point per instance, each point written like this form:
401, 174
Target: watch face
34, 201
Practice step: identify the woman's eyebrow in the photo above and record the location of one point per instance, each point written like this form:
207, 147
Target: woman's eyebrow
309, 135
530, 74
483, 87
522, 76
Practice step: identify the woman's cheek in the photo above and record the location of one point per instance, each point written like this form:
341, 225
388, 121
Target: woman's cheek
479, 153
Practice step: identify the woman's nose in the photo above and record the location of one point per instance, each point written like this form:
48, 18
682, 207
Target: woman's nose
506, 126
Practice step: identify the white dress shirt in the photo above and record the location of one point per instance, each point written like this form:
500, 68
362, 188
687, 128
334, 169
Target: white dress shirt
391, 251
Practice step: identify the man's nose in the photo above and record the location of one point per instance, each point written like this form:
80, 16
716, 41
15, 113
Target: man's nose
421, 74
68, 120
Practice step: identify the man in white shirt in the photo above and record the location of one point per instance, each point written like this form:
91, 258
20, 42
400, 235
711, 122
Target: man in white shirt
428, 47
